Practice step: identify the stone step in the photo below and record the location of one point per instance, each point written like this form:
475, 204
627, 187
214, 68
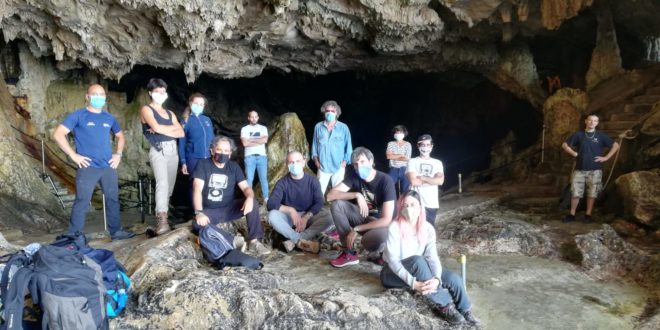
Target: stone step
61, 191
624, 116
646, 99
653, 90
68, 198
637, 108
617, 125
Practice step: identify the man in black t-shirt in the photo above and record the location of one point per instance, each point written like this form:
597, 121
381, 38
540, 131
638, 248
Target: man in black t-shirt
588, 165
215, 180
362, 204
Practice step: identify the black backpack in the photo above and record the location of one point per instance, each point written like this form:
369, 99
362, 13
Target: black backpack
65, 287
218, 247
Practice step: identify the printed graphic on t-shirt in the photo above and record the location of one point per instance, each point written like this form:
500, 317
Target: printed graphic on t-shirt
217, 186
425, 169
370, 198
255, 134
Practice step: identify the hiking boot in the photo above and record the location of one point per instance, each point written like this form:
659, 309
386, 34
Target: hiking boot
345, 259
258, 248
568, 218
450, 314
309, 246
289, 245
469, 318
122, 234
588, 218
162, 226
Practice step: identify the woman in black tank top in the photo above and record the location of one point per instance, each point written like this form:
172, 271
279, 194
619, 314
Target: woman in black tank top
161, 128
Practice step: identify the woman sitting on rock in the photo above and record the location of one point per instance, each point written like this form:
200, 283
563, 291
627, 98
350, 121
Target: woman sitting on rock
412, 261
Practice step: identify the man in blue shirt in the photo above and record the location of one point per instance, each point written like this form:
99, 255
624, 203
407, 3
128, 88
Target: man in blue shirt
91, 127
331, 146
295, 207
587, 147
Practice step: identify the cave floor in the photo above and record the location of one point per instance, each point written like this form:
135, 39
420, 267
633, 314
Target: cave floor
507, 291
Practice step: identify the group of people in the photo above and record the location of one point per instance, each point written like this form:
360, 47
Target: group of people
363, 200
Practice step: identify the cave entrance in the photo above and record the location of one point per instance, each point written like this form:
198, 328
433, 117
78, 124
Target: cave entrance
464, 112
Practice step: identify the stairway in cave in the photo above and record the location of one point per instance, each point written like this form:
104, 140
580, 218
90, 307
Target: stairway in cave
543, 187
615, 123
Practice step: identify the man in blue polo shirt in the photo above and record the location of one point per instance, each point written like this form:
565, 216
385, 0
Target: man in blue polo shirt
587, 147
91, 127
331, 146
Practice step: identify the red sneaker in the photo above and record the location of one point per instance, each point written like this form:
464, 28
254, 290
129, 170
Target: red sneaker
345, 259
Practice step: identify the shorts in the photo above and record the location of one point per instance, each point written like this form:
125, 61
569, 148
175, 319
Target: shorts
592, 179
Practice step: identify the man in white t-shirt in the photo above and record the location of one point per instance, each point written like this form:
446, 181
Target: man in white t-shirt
254, 138
425, 175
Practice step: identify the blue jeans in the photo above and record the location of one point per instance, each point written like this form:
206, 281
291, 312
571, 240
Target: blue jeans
398, 175
430, 215
283, 224
86, 180
260, 163
452, 285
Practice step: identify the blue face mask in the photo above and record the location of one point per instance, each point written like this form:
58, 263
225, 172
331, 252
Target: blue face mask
97, 101
330, 116
295, 169
196, 109
364, 171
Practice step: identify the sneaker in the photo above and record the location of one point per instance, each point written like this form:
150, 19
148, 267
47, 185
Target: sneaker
309, 246
122, 234
588, 218
345, 259
289, 245
258, 248
450, 314
568, 218
469, 318
239, 243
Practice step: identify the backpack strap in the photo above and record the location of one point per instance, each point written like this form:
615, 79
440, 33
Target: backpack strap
15, 298
19, 260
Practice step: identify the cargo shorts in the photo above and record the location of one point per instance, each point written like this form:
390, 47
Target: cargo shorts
590, 179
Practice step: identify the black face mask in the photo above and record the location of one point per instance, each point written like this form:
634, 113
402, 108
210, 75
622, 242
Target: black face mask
221, 158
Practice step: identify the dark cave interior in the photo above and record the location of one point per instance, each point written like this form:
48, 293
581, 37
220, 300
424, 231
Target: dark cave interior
464, 112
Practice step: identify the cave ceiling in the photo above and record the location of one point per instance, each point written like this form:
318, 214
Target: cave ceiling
241, 38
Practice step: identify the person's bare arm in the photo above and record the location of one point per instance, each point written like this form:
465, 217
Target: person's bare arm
147, 117
386, 214
613, 150
59, 135
569, 150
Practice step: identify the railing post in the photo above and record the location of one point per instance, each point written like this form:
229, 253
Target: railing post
460, 183
543, 144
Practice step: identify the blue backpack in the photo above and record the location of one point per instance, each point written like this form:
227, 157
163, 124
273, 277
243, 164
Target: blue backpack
218, 247
115, 280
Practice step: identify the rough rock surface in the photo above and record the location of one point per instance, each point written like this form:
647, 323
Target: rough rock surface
22, 192
563, 111
605, 255
640, 192
605, 59
492, 231
285, 135
169, 270
241, 38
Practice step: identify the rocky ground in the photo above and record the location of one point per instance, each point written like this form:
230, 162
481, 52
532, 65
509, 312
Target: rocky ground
523, 272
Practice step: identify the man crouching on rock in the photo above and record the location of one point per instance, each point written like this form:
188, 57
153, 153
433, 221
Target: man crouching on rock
214, 182
373, 194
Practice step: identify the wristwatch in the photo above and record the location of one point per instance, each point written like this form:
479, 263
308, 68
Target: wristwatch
198, 212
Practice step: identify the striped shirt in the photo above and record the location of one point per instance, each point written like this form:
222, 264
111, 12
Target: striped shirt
395, 148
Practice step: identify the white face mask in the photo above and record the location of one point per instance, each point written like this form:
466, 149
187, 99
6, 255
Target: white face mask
425, 150
158, 97
398, 136
410, 213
